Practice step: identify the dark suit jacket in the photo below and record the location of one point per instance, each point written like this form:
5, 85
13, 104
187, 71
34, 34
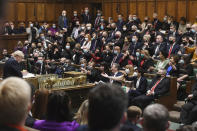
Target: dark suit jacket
175, 49
128, 126
61, 22
86, 18
120, 24
162, 88
12, 68
117, 82
163, 47
157, 24
142, 84
134, 47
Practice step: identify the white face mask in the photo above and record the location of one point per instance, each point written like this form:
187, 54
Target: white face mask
68, 47
75, 14
86, 39
88, 28
31, 25
85, 50
133, 40
82, 27
124, 29
135, 74
127, 71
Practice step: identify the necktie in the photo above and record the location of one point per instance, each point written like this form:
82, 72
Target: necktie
153, 88
170, 51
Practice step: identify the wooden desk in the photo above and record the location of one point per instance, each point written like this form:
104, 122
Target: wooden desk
73, 74
9, 42
77, 93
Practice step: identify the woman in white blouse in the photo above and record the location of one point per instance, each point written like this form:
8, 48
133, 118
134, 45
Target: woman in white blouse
87, 43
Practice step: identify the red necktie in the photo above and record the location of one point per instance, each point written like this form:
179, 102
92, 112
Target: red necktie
170, 51
142, 62
153, 88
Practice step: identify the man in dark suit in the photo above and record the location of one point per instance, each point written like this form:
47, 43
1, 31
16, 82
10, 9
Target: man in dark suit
86, 18
189, 110
120, 22
117, 55
159, 86
156, 23
140, 84
12, 66
159, 46
63, 21
172, 47
134, 45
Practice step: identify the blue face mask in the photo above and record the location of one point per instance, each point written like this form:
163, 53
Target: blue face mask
116, 52
137, 54
102, 27
192, 30
133, 40
82, 65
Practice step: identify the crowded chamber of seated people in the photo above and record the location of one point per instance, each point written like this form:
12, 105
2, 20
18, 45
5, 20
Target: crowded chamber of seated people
119, 52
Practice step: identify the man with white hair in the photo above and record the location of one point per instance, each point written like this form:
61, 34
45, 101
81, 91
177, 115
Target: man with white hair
12, 66
155, 118
158, 87
15, 103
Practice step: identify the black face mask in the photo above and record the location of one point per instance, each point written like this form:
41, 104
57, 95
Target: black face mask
188, 29
171, 42
158, 75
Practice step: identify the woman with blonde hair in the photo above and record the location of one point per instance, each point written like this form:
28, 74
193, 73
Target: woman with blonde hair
81, 116
87, 43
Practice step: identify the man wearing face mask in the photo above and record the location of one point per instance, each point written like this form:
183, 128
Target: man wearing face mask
63, 21
98, 19
117, 55
120, 22
136, 20
39, 67
107, 55
172, 46
140, 84
75, 31
156, 23
118, 39
165, 24
134, 45
158, 87
86, 18
67, 52
89, 29
75, 18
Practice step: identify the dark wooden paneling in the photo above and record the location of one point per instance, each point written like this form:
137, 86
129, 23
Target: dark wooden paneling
133, 8
192, 10
10, 14
181, 9
50, 14
160, 9
49, 10
21, 11
171, 8
31, 12
141, 10
150, 9
40, 12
